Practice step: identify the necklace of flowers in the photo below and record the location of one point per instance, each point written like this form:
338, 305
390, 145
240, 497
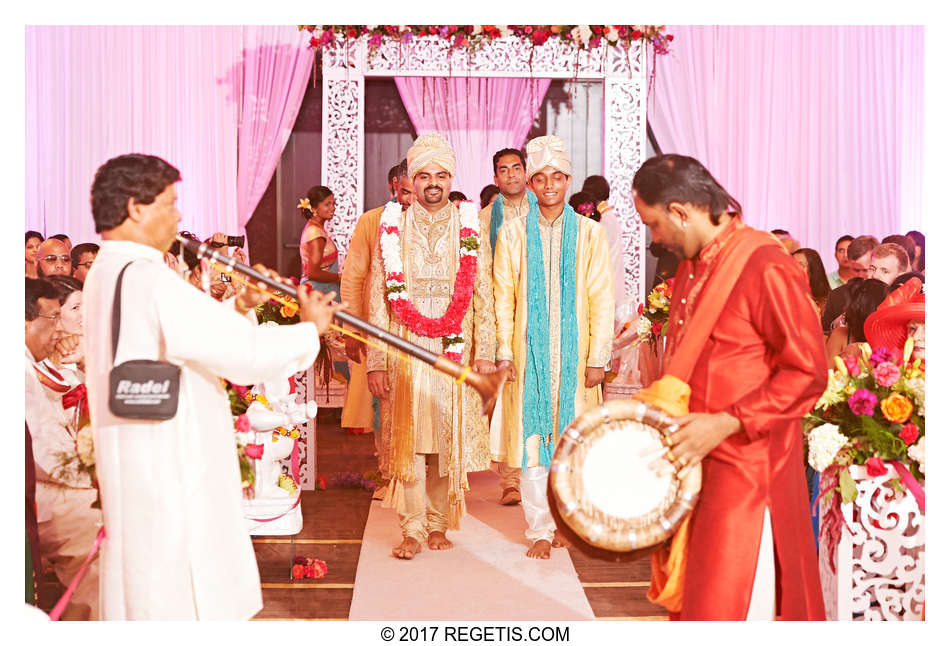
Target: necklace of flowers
449, 325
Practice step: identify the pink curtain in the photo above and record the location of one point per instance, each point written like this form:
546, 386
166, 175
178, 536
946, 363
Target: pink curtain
191, 95
277, 65
817, 130
479, 116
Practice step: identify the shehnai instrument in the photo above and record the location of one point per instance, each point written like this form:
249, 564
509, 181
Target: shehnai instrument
602, 489
487, 385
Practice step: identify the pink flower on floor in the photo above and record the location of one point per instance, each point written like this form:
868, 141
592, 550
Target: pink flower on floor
886, 374
875, 467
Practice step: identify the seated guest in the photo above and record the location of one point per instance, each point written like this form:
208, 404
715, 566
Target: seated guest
899, 316
67, 523
583, 203
52, 259
917, 260
83, 255
814, 269
457, 196
843, 274
69, 295
62, 237
859, 261
865, 297
487, 195
888, 261
33, 240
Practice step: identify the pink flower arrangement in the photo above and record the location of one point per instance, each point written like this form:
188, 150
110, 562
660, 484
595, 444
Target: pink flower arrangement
854, 367
241, 425
875, 467
909, 433
254, 451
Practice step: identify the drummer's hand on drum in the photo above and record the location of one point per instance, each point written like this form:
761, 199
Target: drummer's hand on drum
593, 377
698, 434
378, 382
506, 365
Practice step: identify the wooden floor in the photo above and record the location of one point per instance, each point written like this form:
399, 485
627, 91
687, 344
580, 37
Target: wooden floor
333, 522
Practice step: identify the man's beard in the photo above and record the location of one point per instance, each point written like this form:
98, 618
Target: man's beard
432, 199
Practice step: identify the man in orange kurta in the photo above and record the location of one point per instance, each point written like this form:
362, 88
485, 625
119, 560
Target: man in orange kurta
754, 376
358, 405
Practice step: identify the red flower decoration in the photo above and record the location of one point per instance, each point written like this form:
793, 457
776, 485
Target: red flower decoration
597, 29
540, 37
322, 483
254, 451
636, 34
640, 309
241, 425
669, 37
909, 433
657, 327
314, 42
432, 30
297, 571
875, 467
351, 33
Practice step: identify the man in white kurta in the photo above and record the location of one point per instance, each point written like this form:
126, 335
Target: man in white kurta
177, 545
579, 332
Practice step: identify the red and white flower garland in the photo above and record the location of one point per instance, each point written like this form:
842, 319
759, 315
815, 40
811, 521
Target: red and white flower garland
449, 325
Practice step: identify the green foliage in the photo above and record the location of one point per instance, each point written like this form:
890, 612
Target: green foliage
849, 490
882, 442
270, 311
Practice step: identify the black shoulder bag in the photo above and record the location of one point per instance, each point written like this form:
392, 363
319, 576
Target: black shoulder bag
142, 388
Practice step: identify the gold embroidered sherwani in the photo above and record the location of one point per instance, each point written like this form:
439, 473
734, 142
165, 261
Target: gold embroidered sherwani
358, 406
444, 418
594, 312
511, 209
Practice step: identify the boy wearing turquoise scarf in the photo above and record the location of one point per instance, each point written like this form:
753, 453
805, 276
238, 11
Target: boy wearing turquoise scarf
554, 307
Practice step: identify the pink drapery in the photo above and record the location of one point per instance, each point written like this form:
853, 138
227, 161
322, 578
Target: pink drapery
479, 116
191, 95
277, 65
816, 130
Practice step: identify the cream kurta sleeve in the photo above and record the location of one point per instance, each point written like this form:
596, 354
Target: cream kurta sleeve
505, 286
600, 299
378, 309
483, 299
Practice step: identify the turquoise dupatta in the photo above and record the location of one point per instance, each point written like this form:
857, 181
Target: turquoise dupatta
498, 215
537, 404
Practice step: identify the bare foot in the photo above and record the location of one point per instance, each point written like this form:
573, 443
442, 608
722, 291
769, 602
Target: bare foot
540, 550
559, 540
438, 541
407, 549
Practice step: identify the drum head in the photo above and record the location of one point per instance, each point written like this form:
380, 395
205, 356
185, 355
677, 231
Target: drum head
602, 489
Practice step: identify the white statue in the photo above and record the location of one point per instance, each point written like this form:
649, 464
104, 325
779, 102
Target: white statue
273, 424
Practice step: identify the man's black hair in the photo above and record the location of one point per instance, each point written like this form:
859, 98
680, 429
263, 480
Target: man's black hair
506, 151
37, 288
141, 177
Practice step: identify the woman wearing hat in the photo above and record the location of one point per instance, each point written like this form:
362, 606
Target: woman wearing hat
900, 315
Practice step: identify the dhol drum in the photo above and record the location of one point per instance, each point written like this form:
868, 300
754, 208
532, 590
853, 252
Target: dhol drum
603, 492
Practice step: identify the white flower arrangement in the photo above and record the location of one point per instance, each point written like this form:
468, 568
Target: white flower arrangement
824, 442
917, 453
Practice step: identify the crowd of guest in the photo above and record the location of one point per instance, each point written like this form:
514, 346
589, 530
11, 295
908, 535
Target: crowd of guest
61, 519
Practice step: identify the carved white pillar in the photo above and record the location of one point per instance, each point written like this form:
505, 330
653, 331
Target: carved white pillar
343, 119
624, 136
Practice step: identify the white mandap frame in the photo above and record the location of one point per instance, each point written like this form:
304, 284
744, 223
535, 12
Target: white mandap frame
623, 72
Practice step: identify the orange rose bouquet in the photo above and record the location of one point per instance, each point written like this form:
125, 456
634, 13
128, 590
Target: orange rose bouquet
872, 412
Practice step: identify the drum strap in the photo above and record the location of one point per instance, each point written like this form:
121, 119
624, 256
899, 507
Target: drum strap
725, 272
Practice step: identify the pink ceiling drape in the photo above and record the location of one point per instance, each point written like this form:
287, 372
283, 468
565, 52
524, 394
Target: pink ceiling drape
479, 116
216, 102
817, 130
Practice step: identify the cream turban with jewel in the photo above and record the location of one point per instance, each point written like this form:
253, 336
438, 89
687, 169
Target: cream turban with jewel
547, 151
430, 149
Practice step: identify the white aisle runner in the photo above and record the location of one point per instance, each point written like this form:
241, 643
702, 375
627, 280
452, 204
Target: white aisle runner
485, 576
